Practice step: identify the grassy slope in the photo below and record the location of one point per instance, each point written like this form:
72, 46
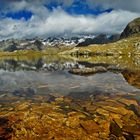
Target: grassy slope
129, 45
48, 51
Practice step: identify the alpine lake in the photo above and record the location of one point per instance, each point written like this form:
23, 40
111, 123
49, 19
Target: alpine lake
70, 98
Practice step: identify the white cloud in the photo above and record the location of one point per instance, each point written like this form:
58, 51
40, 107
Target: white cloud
129, 5
58, 22
46, 23
16, 5
35, 6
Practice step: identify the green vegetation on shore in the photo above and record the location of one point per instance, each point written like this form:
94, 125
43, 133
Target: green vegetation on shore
126, 46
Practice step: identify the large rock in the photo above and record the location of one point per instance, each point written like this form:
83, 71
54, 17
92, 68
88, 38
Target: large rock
87, 71
132, 28
133, 78
90, 126
115, 129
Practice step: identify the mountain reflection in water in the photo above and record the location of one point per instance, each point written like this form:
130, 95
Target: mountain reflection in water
27, 77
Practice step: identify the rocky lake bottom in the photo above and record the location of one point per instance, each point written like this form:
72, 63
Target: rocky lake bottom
56, 98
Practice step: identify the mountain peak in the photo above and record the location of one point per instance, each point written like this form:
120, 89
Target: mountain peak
133, 28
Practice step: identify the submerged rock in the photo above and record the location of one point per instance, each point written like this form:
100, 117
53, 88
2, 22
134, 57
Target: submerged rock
90, 126
132, 129
110, 118
132, 78
25, 92
115, 129
5, 129
135, 109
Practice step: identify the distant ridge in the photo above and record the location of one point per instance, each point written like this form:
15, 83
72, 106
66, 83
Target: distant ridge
100, 39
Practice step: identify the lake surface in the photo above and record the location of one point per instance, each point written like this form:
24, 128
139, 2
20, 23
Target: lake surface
40, 77
46, 78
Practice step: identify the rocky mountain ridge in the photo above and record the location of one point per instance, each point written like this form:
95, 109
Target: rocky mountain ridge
100, 39
37, 44
133, 28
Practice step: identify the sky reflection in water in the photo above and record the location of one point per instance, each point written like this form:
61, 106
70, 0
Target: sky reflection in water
53, 77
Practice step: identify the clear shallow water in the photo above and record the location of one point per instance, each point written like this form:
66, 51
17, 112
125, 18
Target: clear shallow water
27, 78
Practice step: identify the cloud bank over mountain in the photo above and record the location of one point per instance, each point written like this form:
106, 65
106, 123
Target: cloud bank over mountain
26, 19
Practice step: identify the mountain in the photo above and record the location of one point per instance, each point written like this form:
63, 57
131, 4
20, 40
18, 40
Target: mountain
60, 41
132, 28
113, 38
100, 39
38, 44
11, 45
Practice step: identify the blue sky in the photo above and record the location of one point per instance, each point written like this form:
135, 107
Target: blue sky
77, 8
80, 8
43, 18
20, 14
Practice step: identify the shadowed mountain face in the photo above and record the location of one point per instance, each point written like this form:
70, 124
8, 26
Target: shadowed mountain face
133, 78
132, 28
100, 39
12, 45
